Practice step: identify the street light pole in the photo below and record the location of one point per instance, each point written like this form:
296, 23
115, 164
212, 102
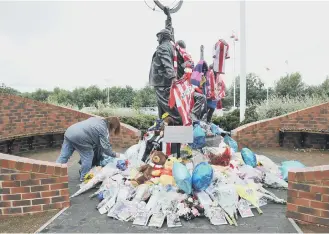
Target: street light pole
243, 52
108, 91
267, 85
108, 95
235, 39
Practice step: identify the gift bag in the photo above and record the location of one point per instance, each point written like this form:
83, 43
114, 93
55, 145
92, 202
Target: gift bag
287, 165
249, 157
199, 137
232, 143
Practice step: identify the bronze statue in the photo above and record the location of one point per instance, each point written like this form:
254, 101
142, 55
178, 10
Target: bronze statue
162, 72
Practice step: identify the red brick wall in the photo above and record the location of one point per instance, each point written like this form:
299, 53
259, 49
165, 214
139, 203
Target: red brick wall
265, 133
20, 117
28, 186
308, 195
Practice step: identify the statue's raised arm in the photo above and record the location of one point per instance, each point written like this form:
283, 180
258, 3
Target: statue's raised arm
168, 22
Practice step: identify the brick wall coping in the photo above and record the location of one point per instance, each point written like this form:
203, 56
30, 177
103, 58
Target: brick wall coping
136, 131
28, 100
234, 132
6, 159
310, 169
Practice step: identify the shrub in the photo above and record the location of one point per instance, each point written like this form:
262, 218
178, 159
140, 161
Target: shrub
141, 122
231, 120
283, 105
250, 115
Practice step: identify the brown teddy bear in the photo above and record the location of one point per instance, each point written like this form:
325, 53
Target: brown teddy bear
152, 169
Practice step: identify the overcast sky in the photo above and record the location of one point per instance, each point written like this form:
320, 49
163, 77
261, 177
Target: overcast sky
71, 44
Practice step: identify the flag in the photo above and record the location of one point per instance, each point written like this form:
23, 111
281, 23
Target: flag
182, 94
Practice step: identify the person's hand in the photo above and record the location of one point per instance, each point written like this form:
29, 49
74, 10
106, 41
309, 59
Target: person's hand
173, 80
166, 11
117, 155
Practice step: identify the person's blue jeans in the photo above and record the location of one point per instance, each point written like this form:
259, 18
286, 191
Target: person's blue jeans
86, 156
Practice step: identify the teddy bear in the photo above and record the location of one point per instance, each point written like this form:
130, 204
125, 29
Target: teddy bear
166, 177
151, 169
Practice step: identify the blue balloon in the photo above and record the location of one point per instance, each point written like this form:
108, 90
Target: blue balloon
249, 157
286, 165
182, 177
202, 176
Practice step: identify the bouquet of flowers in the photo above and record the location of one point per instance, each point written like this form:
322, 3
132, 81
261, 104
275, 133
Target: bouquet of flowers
190, 208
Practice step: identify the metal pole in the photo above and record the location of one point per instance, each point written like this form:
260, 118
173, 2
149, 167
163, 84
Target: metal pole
243, 82
267, 96
234, 83
108, 95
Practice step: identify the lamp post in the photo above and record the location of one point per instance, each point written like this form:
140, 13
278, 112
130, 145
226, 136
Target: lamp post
268, 70
235, 39
243, 52
108, 91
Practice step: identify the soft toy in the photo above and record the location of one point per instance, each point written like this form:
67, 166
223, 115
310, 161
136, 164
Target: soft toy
166, 177
152, 169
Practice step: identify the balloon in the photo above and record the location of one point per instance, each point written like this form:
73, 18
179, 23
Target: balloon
286, 165
249, 157
182, 177
202, 176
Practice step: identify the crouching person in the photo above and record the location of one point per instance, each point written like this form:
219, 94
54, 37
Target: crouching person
89, 136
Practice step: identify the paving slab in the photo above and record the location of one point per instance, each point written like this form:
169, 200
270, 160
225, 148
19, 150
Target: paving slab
82, 216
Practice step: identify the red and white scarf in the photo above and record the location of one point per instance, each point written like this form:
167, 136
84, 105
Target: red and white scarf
182, 94
186, 56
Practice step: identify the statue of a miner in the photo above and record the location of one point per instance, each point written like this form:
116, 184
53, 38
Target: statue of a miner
163, 72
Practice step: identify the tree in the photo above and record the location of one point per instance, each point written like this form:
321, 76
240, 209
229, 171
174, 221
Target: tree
312, 90
8, 90
324, 87
39, 95
145, 97
256, 91
290, 85
128, 96
92, 95
61, 96
78, 97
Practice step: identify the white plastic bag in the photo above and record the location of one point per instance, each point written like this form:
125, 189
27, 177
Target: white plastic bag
249, 173
268, 164
273, 181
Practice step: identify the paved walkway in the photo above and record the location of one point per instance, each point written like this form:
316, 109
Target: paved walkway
82, 216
